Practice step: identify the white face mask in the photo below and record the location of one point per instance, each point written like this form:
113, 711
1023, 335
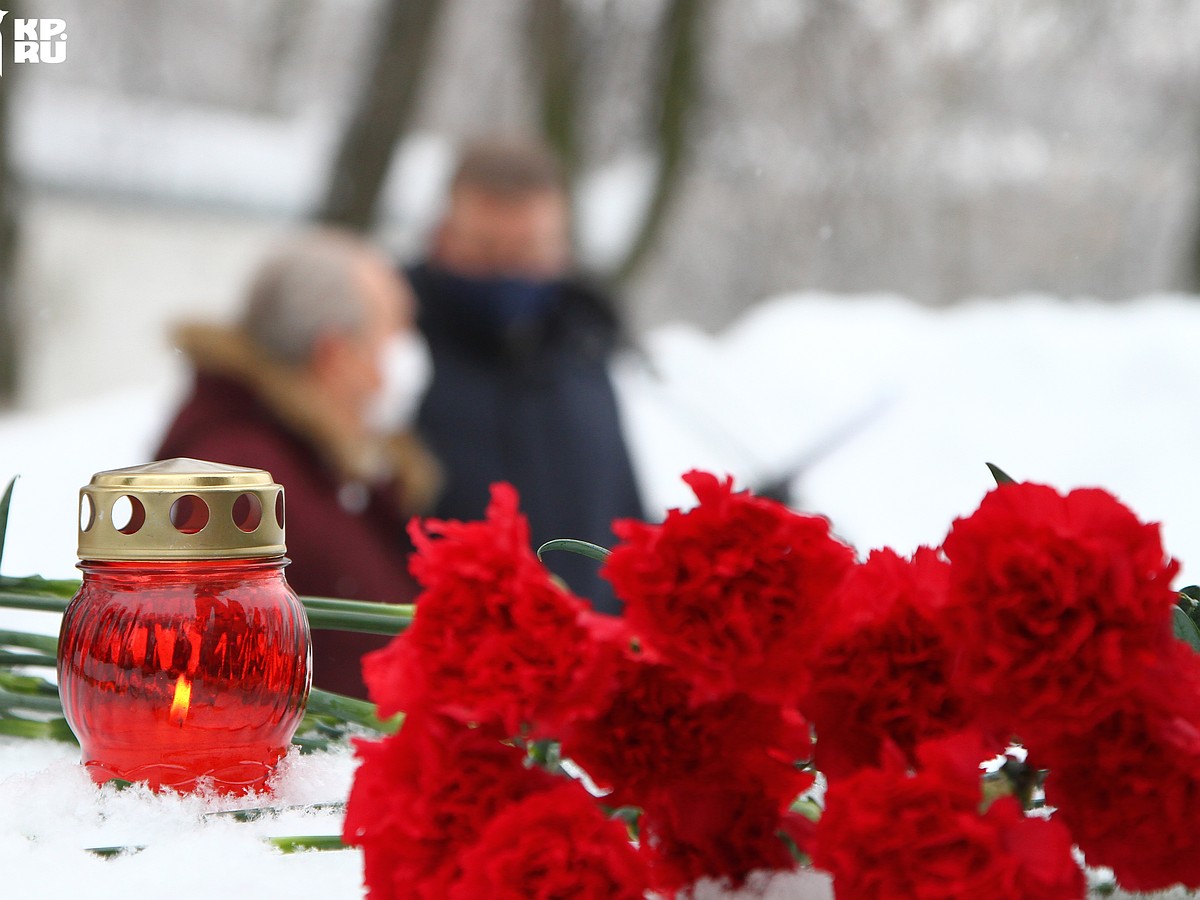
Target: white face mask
406, 369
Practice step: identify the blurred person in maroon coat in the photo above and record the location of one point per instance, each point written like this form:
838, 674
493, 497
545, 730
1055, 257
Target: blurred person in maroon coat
316, 384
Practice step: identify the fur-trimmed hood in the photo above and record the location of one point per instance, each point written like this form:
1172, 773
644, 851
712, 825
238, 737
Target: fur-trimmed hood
400, 460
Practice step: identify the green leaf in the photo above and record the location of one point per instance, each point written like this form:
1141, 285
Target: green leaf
5, 502
1185, 628
1000, 475
583, 548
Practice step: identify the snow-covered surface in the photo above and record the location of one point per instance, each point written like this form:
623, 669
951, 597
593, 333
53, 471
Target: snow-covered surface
889, 411
50, 811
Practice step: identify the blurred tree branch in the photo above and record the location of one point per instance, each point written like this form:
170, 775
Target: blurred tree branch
9, 202
384, 108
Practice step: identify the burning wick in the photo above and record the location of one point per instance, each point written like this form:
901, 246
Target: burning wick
183, 699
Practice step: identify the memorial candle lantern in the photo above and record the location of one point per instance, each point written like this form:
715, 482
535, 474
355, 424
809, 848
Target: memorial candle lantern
184, 659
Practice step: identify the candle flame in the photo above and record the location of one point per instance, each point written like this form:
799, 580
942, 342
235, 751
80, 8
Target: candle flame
183, 699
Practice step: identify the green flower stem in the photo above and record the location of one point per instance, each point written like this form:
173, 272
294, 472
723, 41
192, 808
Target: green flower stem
35, 584
26, 659
16, 599
27, 684
32, 702
323, 612
395, 610
350, 709
49, 730
294, 843
291, 844
336, 620
312, 745
109, 852
357, 615
48, 644
254, 813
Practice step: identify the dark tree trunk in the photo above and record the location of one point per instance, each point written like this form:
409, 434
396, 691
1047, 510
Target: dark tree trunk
677, 87
9, 202
557, 61
1192, 272
384, 108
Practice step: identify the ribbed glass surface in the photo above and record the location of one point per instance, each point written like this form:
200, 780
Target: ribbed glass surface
171, 673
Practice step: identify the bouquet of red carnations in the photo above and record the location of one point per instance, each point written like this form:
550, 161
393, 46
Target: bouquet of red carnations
551, 752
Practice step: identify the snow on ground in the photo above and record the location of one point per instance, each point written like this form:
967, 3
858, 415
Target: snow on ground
886, 411
50, 811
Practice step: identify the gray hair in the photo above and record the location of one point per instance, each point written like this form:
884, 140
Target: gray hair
308, 287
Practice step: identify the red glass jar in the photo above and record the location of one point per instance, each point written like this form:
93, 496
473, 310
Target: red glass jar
184, 659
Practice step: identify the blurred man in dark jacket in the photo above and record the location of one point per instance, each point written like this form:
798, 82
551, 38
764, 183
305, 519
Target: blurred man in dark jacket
521, 390
325, 352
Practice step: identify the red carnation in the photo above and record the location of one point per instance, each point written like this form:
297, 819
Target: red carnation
882, 669
1130, 789
719, 831
652, 739
551, 845
887, 834
1057, 605
714, 779
421, 796
1041, 853
729, 591
494, 640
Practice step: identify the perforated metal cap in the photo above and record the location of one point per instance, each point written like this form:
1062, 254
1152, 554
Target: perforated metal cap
181, 509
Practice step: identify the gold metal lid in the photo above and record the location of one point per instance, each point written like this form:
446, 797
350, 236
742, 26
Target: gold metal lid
181, 509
